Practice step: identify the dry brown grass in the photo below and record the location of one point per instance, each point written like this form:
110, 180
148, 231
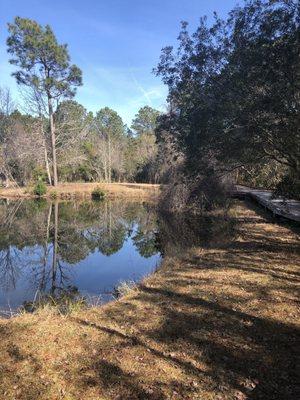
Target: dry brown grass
142, 191
221, 322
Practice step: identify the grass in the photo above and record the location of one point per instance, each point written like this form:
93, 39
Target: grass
136, 191
124, 288
219, 322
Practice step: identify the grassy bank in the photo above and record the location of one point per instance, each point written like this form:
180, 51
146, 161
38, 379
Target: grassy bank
217, 322
84, 190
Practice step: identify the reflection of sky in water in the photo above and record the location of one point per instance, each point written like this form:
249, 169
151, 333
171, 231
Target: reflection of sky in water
98, 245
98, 274
24, 270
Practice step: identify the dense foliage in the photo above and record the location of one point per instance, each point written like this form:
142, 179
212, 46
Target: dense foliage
233, 116
234, 94
88, 147
40, 188
58, 138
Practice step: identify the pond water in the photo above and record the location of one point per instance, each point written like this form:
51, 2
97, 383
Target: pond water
87, 248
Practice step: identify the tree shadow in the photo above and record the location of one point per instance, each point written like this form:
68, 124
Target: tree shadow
226, 317
111, 376
218, 322
238, 346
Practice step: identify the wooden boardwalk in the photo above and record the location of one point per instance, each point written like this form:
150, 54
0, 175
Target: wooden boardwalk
289, 209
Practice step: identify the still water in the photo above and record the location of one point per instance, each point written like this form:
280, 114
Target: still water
87, 248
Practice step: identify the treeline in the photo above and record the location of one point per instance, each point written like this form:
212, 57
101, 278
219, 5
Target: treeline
57, 138
89, 147
234, 96
233, 115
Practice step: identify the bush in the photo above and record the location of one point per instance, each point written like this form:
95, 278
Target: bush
54, 195
40, 204
204, 193
289, 187
40, 188
39, 173
98, 194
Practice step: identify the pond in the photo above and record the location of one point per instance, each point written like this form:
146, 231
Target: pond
59, 247
87, 248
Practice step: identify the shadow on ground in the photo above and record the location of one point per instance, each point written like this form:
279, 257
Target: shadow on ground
218, 321
223, 318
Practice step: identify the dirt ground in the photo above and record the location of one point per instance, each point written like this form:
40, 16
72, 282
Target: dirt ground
217, 322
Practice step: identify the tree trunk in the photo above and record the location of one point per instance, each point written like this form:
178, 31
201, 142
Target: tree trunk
45, 152
47, 166
109, 160
43, 281
105, 169
53, 142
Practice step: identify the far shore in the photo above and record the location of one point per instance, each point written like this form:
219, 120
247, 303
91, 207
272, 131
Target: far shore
138, 191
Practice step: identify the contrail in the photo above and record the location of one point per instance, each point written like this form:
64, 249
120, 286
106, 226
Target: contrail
139, 87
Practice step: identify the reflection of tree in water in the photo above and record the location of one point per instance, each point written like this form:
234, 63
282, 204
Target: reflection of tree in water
146, 243
177, 233
14, 238
43, 239
112, 230
145, 238
9, 271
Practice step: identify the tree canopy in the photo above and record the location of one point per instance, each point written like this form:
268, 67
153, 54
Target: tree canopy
145, 121
44, 67
42, 62
233, 110
234, 90
109, 123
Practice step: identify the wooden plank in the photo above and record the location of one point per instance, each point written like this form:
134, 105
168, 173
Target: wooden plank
286, 208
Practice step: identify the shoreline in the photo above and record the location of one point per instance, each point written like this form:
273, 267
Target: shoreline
218, 321
84, 190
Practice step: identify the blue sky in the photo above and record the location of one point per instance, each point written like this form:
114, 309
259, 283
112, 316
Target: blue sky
116, 43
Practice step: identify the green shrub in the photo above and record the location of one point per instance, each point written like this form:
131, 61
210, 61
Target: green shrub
53, 195
40, 204
98, 194
40, 188
39, 173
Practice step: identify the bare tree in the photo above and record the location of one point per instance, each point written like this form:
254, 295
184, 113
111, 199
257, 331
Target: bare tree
35, 104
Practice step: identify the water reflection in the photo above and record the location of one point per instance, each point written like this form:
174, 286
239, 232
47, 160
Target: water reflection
62, 250
43, 243
178, 233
